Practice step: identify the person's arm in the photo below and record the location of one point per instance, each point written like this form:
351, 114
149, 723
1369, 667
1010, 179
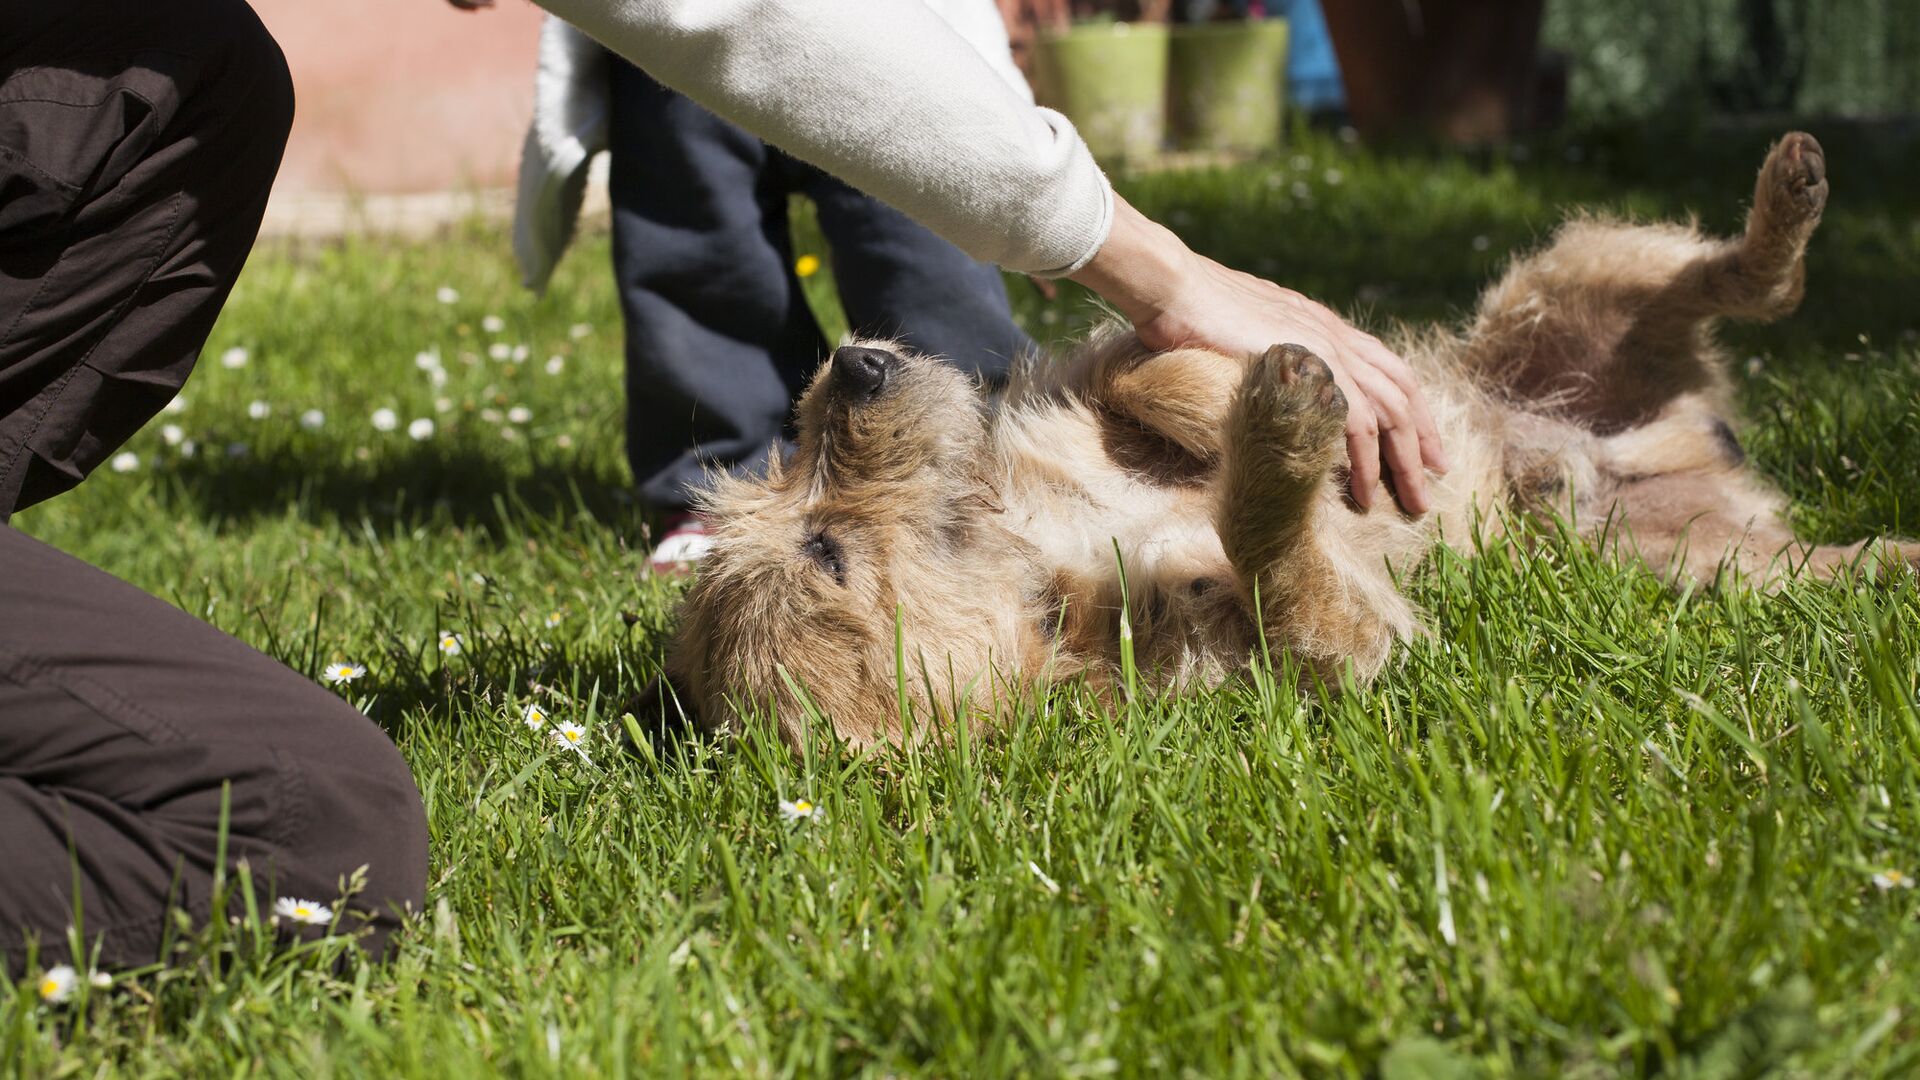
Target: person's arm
888, 98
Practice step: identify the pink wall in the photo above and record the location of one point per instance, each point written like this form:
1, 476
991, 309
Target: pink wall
404, 95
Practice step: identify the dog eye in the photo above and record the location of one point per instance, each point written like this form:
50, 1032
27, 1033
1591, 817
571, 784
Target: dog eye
825, 551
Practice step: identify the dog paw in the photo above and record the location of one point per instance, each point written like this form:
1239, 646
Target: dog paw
1793, 182
1294, 406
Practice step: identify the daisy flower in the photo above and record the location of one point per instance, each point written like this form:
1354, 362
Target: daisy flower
385, 420
172, 434
339, 673
499, 352
797, 810
177, 405
579, 330
313, 420
57, 984
259, 410
451, 645
519, 414
806, 265
535, 717
1891, 879
572, 736
234, 358
447, 294
555, 364
420, 430
100, 980
311, 912
521, 352
553, 619
427, 360
126, 461
492, 324
442, 405
564, 442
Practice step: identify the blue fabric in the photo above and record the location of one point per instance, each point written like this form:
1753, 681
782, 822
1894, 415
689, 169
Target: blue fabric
1313, 74
720, 340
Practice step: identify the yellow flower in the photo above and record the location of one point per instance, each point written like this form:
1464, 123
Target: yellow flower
807, 265
797, 810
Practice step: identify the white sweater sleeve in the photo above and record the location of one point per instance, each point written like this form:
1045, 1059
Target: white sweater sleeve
886, 96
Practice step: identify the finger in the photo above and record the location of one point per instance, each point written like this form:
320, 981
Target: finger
1399, 441
1389, 363
1363, 451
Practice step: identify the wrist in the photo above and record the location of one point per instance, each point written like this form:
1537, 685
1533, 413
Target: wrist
1141, 269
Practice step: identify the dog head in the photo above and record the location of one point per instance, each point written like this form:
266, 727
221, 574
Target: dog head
887, 504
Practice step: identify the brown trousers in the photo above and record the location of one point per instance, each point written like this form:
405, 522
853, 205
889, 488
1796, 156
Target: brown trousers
138, 141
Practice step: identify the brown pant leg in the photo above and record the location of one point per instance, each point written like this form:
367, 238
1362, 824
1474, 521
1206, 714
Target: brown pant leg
121, 717
138, 140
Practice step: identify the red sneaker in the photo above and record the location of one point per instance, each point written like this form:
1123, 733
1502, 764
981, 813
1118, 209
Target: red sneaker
683, 543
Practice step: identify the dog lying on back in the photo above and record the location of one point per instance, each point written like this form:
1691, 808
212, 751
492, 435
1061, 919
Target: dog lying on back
920, 525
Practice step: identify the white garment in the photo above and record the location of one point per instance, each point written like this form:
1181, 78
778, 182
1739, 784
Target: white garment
885, 95
569, 127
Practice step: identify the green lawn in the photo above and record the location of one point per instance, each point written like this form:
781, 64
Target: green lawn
1587, 828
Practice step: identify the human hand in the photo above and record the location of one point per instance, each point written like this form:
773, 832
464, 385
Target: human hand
1175, 297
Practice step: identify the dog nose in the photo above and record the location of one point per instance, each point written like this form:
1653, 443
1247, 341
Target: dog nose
863, 370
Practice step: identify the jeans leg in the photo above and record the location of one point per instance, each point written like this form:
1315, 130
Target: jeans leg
719, 336
899, 280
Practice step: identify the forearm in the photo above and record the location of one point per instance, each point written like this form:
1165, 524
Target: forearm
888, 98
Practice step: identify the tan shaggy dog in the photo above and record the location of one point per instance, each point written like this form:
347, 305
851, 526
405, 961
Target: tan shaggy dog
921, 525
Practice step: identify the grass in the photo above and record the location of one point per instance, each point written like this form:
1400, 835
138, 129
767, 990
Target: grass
1587, 828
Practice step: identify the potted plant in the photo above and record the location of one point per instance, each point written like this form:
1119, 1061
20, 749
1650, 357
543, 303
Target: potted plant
1108, 74
1227, 84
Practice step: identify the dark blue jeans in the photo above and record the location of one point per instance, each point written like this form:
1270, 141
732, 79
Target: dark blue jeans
719, 337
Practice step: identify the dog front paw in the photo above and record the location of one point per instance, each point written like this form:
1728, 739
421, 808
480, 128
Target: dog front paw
1294, 407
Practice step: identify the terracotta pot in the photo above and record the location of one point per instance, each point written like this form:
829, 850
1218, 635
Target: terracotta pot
1459, 70
1227, 84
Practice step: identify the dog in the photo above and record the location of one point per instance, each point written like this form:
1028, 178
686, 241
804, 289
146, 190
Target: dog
927, 555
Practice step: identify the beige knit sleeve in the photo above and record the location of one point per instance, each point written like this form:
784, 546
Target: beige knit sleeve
886, 96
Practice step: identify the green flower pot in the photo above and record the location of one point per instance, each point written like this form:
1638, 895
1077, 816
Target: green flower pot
1111, 81
1228, 85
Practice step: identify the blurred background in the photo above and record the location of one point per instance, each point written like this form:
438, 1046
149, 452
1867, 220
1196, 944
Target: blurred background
416, 97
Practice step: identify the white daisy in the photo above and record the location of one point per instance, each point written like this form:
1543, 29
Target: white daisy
447, 294
555, 364
189, 448
57, 984
521, 352
442, 405
339, 673
450, 644
172, 434
519, 414
564, 442
509, 434
492, 324
535, 717
1890, 879
553, 619
100, 980
420, 430
797, 810
234, 358
490, 415
311, 912
313, 420
499, 352
579, 330
427, 360
572, 736
177, 405
259, 410
125, 461
437, 378
385, 420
